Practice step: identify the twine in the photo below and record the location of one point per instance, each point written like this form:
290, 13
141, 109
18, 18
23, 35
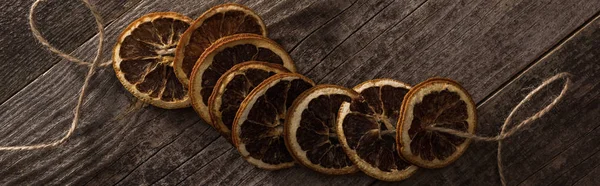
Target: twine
503, 135
95, 63
36, 33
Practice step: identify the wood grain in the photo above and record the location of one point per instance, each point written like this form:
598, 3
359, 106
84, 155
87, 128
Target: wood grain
483, 44
133, 140
55, 21
561, 147
457, 39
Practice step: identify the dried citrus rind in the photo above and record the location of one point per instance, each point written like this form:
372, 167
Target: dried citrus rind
143, 59
257, 130
217, 22
231, 89
367, 129
436, 102
310, 129
223, 55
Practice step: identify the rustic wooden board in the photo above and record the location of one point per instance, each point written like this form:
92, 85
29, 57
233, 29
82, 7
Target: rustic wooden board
483, 44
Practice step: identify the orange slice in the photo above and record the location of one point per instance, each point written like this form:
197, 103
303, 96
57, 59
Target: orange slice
143, 59
217, 22
257, 130
223, 55
310, 129
231, 89
367, 129
440, 103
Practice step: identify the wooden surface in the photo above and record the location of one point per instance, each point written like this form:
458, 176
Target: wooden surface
498, 49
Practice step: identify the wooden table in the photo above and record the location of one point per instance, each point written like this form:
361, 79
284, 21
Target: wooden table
498, 49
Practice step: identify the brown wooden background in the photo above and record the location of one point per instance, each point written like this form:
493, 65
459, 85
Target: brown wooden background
498, 49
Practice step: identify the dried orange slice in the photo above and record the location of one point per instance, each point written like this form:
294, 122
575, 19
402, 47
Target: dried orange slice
435, 103
217, 22
231, 89
367, 129
257, 130
143, 59
225, 53
310, 129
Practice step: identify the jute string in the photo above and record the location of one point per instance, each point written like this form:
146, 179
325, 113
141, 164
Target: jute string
36, 33
95, 63
505, 134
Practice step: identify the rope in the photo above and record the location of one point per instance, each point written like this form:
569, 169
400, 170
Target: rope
36, 33
503, 135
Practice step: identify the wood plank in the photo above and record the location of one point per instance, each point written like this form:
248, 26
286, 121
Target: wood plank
571, 136
459, 40
580, 165
560, 148
55, 22
173, 146
590, 179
